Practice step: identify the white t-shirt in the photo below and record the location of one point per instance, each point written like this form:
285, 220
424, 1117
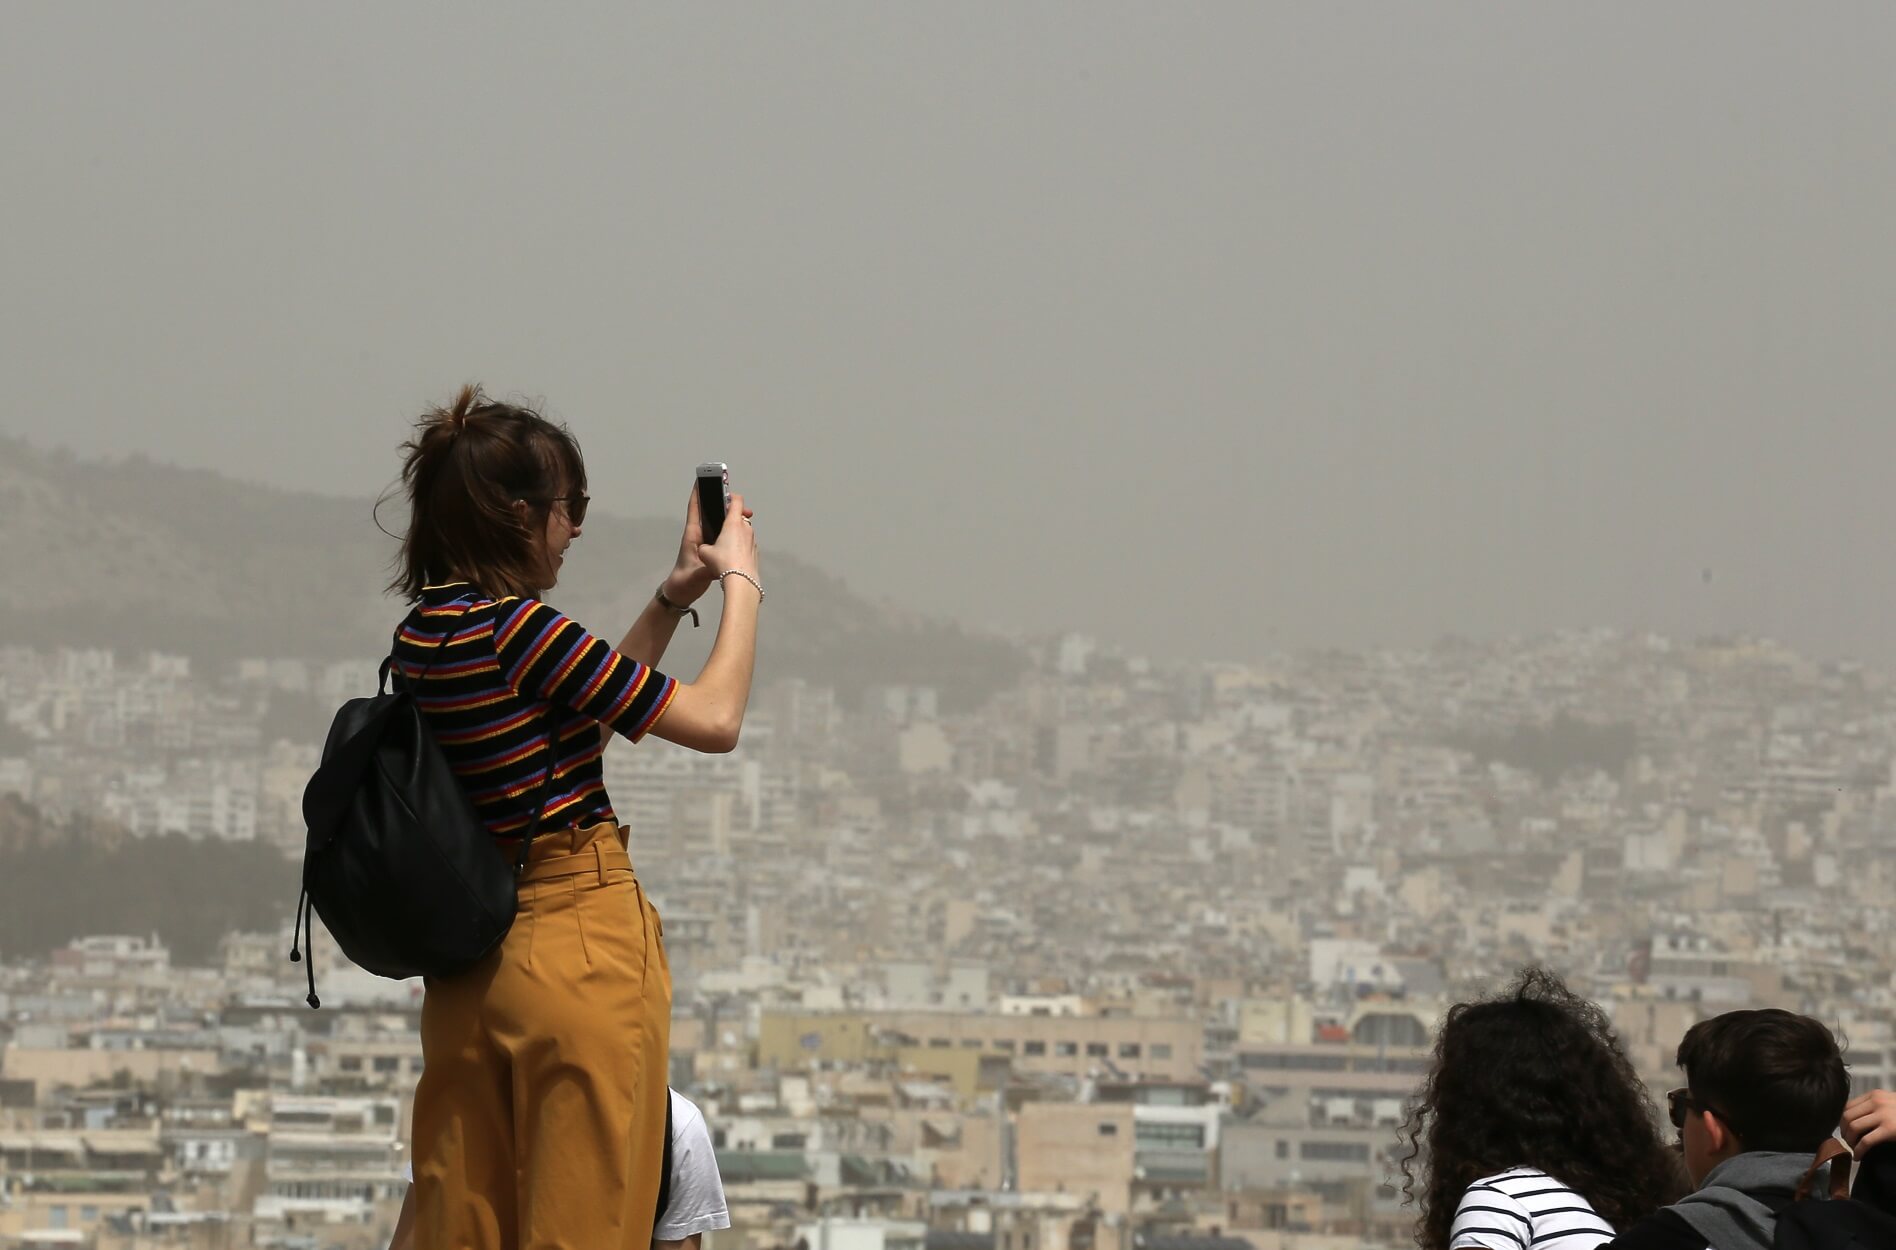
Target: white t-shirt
696, 1204
1526, 1209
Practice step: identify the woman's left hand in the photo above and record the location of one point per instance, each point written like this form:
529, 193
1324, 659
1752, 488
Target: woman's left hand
690, 576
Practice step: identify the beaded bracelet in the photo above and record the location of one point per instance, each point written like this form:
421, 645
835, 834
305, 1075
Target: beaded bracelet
747, 577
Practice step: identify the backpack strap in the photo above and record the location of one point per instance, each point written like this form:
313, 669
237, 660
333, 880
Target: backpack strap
434, 652
546, 784
1837, 1155
552, 730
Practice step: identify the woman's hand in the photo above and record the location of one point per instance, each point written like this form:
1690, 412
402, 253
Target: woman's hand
1869, 1120
736, 547
690, 576
708, 714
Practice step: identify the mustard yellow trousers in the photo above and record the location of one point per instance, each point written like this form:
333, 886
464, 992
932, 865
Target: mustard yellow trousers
540, 1117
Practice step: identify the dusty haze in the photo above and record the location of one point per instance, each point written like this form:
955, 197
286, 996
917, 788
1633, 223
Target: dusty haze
1207, 330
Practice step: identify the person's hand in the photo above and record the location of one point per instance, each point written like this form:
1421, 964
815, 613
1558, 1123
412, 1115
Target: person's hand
1869, 1120
736, 547
690, 576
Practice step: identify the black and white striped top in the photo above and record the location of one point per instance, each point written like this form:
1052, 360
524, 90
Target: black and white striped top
1526, 1209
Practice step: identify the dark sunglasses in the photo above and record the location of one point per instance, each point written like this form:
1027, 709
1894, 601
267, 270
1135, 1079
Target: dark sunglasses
1680, 1101
575, 505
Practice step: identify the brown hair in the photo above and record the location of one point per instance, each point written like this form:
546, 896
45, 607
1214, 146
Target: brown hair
1775, 1077
462, 470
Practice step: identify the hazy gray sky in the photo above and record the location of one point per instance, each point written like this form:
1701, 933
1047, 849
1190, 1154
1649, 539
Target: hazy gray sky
1205, 327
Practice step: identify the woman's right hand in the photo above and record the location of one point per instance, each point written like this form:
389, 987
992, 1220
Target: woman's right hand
736, 547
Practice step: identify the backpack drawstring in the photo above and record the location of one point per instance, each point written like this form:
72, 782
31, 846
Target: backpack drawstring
305, 926
309, 965
296, 933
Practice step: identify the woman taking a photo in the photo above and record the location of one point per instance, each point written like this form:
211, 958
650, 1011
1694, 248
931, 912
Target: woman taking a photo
540, 1116
1531, 1130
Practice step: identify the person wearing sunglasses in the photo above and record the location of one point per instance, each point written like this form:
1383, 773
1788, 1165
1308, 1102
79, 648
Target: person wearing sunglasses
1764, 1091
540, 1116
1531, 1130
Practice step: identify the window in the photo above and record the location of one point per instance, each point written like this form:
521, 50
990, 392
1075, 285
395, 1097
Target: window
388, 1063
970, 1043
939, 1043
350, 1063
1066, 1050
1170, 1136
1096, 1050
1109, 1130
1036, 1048
1161, 1050
1128, 1050
1004, 1044
1292, 1062
1283, 1149
88, 1214
1334, 1151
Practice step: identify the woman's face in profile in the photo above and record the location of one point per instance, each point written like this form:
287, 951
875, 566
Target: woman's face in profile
555, 539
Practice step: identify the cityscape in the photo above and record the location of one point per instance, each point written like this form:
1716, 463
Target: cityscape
1133, 956
1327, 679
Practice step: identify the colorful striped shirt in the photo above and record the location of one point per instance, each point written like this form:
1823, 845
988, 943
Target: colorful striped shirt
506, 662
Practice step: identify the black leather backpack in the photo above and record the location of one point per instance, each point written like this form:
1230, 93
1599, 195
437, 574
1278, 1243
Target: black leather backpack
398, 863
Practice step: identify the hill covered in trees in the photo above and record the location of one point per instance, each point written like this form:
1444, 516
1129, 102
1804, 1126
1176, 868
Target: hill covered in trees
65, 879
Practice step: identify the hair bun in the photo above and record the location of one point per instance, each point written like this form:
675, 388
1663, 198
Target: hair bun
466, 400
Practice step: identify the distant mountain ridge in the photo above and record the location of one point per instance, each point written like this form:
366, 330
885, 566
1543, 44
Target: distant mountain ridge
138, 554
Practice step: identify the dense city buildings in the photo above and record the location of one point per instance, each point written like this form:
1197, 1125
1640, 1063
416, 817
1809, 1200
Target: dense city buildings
1134, 957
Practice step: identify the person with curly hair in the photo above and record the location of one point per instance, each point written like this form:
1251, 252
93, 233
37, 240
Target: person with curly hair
1531, 1131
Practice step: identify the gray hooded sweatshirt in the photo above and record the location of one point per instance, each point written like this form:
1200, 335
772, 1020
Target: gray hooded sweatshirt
1737, 1206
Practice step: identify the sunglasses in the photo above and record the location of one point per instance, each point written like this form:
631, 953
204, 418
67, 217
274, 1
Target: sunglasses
575, 505
1680, 1101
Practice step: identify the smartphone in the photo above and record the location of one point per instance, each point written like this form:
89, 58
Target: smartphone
714, 498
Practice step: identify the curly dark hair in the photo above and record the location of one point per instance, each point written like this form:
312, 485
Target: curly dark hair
1534, 1078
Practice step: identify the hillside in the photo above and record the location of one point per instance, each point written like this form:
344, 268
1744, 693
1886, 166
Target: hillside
189, 893
133, 553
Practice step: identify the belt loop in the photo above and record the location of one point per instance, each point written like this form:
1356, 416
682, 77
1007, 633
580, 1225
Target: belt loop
599, 858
